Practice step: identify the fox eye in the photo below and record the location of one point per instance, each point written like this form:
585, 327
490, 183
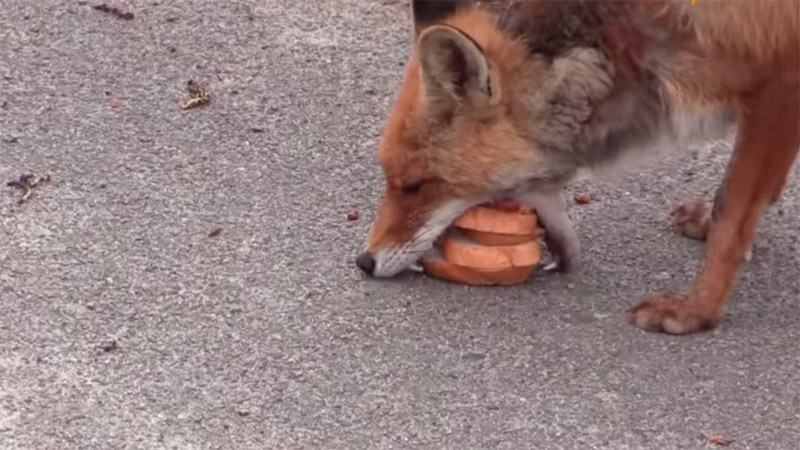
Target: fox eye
412, 188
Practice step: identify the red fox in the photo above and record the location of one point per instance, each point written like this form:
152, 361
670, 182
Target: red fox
510, 99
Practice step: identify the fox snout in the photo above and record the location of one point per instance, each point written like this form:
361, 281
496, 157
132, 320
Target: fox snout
366, 263
400, 236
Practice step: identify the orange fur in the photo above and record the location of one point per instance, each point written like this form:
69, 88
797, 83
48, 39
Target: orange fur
734, 45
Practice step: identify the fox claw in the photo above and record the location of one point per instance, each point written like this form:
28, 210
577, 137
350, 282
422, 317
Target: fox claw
562, 253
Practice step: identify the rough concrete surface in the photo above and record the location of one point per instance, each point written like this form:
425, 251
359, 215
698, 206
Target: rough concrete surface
124, 325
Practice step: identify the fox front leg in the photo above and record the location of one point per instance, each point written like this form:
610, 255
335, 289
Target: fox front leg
560, 237
578, 82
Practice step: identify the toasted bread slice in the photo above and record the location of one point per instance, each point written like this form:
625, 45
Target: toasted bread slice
439, 268
491, 220
462, 251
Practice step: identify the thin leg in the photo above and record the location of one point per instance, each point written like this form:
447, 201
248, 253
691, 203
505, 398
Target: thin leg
560, 237
767, 145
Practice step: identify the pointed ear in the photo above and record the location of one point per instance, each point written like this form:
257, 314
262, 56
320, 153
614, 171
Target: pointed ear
427, 12
454, 68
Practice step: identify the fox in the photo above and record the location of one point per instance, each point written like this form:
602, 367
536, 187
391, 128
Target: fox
513, 99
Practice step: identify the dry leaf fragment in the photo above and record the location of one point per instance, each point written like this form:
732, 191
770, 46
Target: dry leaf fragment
198, 95
114, 11
109, 346
719, 440
27, 182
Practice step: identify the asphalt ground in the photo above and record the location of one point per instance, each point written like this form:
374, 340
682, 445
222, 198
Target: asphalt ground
125, 325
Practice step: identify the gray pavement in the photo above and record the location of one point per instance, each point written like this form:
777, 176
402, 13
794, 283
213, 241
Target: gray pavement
124, 325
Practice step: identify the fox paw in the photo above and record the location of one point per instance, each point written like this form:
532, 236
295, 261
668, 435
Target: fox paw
671, 314
563, 254
692, 219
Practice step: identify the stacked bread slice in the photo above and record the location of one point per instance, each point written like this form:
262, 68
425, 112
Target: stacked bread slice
495, 244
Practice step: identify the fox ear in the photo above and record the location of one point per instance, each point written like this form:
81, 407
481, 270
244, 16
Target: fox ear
454, 67
426, 12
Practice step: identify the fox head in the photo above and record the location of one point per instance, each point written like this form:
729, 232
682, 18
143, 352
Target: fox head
461, 131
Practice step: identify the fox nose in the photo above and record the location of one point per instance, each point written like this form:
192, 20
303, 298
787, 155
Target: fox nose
366, 263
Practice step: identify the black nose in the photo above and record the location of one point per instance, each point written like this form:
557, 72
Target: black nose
366, 263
